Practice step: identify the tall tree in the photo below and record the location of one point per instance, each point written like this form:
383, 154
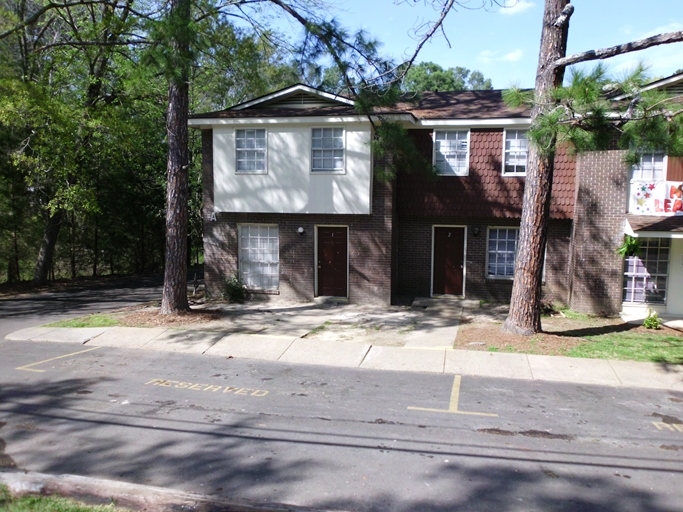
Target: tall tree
525, 311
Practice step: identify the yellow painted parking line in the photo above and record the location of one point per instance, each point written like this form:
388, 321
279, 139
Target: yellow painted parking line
28, 368
453, 405
673, 427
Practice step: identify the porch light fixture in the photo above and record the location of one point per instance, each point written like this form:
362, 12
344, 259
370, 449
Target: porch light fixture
300, 230
475, 231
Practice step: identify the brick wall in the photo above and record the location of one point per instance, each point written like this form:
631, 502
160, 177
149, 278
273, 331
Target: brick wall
370, 245
601, 202
414, 259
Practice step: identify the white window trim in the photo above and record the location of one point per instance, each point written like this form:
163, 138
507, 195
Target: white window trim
467, 155
324, 172
265, 153
239, 259
486, 269
502, 170
665, 166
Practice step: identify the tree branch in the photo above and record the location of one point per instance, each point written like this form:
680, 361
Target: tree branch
633, 46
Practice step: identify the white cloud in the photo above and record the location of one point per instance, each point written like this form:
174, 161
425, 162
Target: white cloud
488, 56
515, 7
513, 56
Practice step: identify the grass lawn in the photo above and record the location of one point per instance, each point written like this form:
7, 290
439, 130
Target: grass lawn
634, 346
47, 504
95, 320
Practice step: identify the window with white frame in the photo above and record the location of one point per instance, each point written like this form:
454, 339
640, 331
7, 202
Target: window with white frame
649, 167
516, 152
250, 147
327, 153
451, 155
259, 256
645, 275
502, 248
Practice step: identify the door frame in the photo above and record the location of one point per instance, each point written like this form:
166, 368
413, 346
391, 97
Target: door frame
464, 259
315, 255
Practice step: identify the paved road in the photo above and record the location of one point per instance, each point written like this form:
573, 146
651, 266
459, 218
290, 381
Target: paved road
29, 310
344, 439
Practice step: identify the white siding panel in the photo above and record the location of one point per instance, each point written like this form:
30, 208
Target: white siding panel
289, 185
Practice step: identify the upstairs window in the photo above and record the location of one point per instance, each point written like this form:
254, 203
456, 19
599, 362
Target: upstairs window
327, 154
250, 148
451, 152
516, 152
650, 167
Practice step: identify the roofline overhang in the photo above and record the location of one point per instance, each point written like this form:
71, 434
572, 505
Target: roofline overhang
678, 77
240, 121
517, 122
628, 230
511, 122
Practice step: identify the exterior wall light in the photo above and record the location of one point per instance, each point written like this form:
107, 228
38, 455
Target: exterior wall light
475, 231
300, 230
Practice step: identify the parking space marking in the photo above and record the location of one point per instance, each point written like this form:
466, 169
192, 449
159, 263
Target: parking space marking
27, 368
235, 390
673, 427
453, 405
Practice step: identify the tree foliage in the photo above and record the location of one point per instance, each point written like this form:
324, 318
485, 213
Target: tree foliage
429, 76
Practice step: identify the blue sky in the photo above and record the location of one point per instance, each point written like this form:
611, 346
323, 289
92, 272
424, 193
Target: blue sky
503, 43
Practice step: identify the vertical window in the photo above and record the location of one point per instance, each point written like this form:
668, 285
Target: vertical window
516, 152
502, 247
259, 257
251, 150
327, 149
645, 275
650, 167
450, 152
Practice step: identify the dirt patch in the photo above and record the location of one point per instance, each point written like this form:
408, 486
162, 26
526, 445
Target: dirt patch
150, 317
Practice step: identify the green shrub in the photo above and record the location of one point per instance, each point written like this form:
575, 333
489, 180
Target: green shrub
652, 320
234, 291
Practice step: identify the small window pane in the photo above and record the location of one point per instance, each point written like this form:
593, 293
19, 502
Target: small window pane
259, 256
327, 152
502, 250
516, 152
451, 152
250, 150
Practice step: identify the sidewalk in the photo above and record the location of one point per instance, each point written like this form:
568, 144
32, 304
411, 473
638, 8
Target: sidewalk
433, 326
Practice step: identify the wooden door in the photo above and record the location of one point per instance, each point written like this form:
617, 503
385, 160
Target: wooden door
332, 262
449, 261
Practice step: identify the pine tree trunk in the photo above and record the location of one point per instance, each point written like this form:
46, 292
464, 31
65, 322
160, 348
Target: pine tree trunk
174, 297
525, 303
47, 247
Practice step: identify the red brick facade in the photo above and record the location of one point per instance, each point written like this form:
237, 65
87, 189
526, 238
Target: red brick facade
390, 251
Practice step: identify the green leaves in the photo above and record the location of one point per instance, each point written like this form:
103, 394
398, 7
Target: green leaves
593, 110
429, 76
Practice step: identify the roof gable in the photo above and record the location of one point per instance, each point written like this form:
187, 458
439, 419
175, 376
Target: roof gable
296, 96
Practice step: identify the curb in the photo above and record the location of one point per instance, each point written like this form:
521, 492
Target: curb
132, 496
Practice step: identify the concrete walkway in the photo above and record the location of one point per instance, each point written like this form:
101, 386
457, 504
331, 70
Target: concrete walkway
428, 348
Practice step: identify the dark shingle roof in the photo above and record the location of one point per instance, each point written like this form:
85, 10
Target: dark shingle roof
428, 105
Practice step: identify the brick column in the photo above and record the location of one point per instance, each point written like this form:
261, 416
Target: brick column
596, 271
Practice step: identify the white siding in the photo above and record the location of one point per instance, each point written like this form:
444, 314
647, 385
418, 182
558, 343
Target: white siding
289, 185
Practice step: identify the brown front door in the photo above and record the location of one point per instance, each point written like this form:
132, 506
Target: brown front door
449, 254
332, 262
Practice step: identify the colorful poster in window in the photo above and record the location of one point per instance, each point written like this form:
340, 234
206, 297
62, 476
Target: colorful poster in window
650, 197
